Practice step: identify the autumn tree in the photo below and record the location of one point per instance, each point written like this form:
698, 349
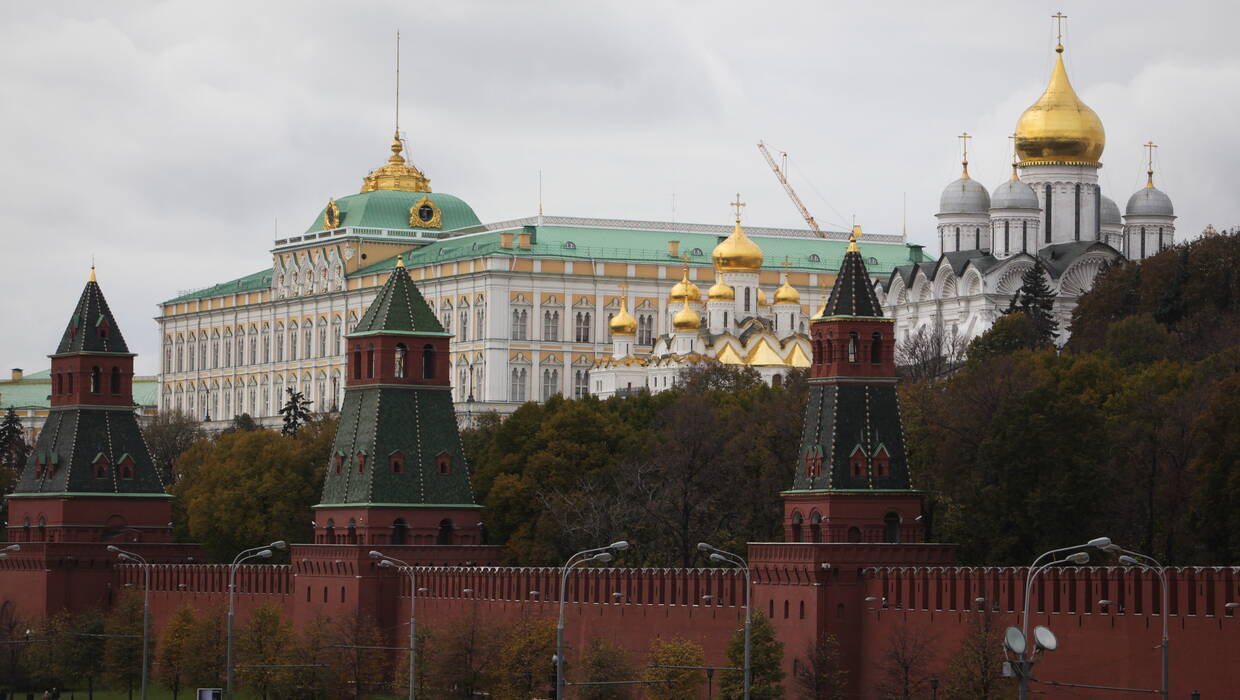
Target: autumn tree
122, 647
524, 653
823, 675
766, 661
356, 661
168, 436
976, 669
465, 658
265, 640
1010, 333
903, 667
1216, 506
685, 684
605, 661
174, 650
205, 649
427, 648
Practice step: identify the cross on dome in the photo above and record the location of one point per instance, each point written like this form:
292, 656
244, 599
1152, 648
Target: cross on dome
1149, 173
1059, 17
737, 205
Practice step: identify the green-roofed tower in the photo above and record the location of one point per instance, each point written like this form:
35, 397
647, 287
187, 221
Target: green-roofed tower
397, 474
852, 482
90, 476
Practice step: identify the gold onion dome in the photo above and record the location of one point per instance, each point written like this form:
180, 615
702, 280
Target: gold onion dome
787, 294
684, 289
720, 291
398, 174
1059, 127
623, 323
761, 298
686, 319
737, 253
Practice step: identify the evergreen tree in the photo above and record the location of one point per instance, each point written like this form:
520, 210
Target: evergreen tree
1036, 300
296, 411
13, 447
766, 660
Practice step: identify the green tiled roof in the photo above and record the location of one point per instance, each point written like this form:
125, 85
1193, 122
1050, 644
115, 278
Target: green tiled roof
390, 209
73, 439
853, 292
250, 283
398, 308
91, 327
33, 391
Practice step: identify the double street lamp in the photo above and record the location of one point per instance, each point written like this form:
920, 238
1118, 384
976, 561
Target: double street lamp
146, 607
387, 562
599, 555
720, 556
1151, 564
246, 555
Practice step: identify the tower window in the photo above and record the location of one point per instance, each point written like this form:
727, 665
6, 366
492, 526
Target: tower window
95, 378
101, 466
401, 352
361, 462
443, 463
428, 361
116, 380
126, 466
357, 362
852, 347
339, 462
370, 361
398, 463
876, 349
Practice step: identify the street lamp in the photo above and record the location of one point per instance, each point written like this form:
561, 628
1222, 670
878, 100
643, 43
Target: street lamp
720, 556
4, 553
146, 607
387, 562
1016, 640
1150, 563
244, 556
600, 555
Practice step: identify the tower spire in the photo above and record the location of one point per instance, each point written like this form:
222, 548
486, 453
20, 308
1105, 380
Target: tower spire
1149, 171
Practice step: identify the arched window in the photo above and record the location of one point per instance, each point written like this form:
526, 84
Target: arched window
876, 349
815, 527
814, 257
370, 361
292, 340
95, 377
854, 534
746, 298
357, 362
351, 538
830, 350
957, 238
400, 531
401, 353
570, 245
397, 462
797, 519
60, 383
428, 361
116, 380
445, 532
330, 531
443, 463
891, 526
852, 347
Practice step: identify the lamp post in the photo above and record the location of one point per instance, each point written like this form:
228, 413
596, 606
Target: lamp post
244, 556
146, 607
1152, 564
722, 557
600, 555
1025, 660
387, 562
4, 553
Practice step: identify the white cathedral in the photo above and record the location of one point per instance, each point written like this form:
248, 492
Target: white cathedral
1052, 208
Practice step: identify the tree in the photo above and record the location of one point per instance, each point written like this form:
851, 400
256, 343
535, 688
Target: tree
930, 352
1011, 332
1036, 300
685, 684
265, 640
122, 647
296, 412
766, 660
356, 661
428, 648
1216, 505
174, 647
604, 661
1171, 303
904, 663
823, 675
242, 423
168, 436
13, 447
976, 670
205, 652
464, 659
524, 651
246, 488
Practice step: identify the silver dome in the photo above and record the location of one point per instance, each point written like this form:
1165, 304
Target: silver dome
1014, 194
1149, 201
964, 196
1110, 212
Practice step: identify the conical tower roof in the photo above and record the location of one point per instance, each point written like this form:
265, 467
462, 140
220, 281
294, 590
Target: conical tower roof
853, 293
399, 309
91, 327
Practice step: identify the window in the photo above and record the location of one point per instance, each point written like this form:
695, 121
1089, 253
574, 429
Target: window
814, 257
852, 347
520, 324
167, 357
797, 519
279, 342
696, 251
339, 462
357, 362
330, 532
336, 335
400, 531
876, 349
570, 245
854, 534
479, 328
428, 361
582, 327
126, 465
815, 529
581, 383
60, 383
891, 527
464, 329
550, 383
227, 348
443, 463
551, 325
445, 532
189, 355
101, 467
292, 341
307, 348
397, 462
94, 380
746, 299
241, 347
322, 337
370, 361
116, 381
361, 462
215, 352
516, 389
645, 330
399, 369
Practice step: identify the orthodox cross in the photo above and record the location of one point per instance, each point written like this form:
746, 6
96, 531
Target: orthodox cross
1059, 17
1149, 147
737, 205
964, 146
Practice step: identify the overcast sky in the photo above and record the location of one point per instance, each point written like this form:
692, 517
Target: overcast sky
168, 139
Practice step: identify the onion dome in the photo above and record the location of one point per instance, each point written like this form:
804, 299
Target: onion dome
720, 291
787, 294
623, 322
1014, 194
1110, 212
1059, 127
964, 196
1149, 201
684, 289
761, 298
737, 253
398, 174
686, 319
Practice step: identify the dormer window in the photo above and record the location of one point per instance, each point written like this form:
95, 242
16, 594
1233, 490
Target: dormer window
397, 462
857, 461
443, 463
882, 462
100, 465
126, 466
361, 462
339, 462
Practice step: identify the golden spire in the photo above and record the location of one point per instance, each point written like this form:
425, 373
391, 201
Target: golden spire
1149, 173
92, 273
400, 261
736, 252
398, 174
964, 158
1059, 127
852, 239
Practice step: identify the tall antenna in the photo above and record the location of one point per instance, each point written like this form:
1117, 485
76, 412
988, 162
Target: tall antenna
540, 203
904, 218
398, 82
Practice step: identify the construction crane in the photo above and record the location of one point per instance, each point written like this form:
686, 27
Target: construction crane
780, 174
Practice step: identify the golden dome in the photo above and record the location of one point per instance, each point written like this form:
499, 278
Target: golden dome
398, 174
737, 252
787, 294
1059, 128
684, 289
720, 291
623, 323
686, 319
761, 298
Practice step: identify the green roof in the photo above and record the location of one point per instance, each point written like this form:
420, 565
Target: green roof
390, 209
34, 389
398, 308
91, 327
255, 282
